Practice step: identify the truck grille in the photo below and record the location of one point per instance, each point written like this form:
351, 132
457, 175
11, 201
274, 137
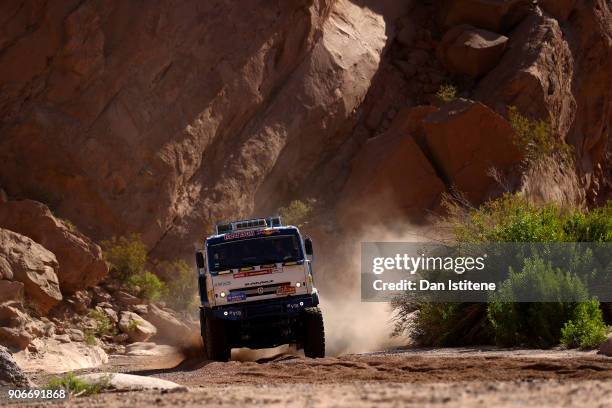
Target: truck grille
263, 290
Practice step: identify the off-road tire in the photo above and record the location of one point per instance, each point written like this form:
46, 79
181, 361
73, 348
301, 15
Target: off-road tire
314, 333
215, 340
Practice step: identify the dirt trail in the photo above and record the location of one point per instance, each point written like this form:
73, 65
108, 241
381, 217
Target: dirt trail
440, 377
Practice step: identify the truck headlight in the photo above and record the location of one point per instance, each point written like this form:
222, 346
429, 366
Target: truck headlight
222, 294
298, 284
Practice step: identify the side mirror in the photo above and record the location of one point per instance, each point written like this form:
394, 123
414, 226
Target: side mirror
200, 260
308, 246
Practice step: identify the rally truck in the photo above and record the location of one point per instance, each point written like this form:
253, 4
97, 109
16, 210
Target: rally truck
257, 289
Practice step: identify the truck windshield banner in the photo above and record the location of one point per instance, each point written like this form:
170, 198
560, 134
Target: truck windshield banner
261, 250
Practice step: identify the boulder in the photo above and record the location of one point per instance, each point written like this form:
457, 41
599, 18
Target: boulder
493, 15
125, 299
391, 177
606, 347
61, 357
466, 139
10, 290
471, 51
12, 314
16, 338
170, 330
75, 334
34, 266
10, 373
535, 75
100, 295
80, 301
63, 338
80, 260
129, 382
140, 309
137, 328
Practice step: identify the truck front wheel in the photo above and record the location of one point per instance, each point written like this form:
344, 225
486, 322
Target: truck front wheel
314, 333
215, 340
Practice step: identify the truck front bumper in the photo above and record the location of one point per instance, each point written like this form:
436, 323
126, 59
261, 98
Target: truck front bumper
287, 306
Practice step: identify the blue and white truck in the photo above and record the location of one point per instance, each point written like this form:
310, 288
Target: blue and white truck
257, 289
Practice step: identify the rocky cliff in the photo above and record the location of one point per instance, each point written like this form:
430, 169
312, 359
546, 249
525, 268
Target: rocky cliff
162, 117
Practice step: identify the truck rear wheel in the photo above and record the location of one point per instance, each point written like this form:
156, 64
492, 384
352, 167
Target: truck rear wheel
215, 340
314, 333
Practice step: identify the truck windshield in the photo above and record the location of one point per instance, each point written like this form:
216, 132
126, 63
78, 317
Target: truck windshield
254, 251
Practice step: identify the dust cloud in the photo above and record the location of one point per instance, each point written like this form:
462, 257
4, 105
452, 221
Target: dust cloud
353, 326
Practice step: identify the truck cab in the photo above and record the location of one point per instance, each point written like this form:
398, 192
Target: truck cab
257, 289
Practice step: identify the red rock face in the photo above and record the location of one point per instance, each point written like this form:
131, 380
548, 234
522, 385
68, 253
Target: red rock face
534, 75
467, 140
165, 119
391, 179
589, 33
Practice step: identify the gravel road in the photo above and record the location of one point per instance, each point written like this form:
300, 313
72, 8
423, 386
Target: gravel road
435, 378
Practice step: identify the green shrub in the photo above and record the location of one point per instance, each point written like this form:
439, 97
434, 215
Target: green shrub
442, 324
512, 219
534, 324
537, 139
182, 286
127, 255
592, 226
297, 213
90, 337
586, 329
446, 93
147, 285
76, 386
104, 325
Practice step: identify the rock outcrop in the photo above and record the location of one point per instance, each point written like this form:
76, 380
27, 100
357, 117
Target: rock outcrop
471, 51
172, 121
80, 260
560, 72
391, 178
535, 75
589, 36
466, 140
164, 120
32, 265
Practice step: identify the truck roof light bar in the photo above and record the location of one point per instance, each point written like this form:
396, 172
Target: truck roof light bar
241, 225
